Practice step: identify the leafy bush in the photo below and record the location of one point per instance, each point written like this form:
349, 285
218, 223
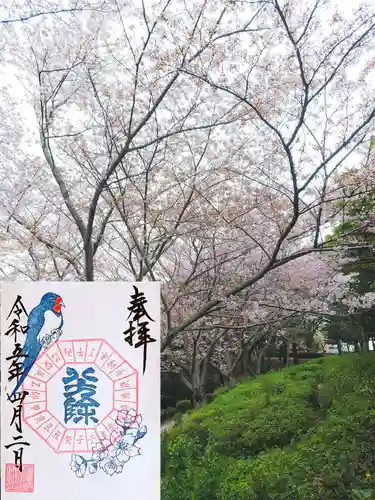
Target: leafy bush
220, 390
306, 433
167, 414
184, 405
310, 355
177, 417
209, 397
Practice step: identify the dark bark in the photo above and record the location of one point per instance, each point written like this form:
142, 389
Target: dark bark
339, 346
364, 346
198, 396
295, 353
89, 261
285, 352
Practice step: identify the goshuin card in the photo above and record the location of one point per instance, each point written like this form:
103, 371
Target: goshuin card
80, 390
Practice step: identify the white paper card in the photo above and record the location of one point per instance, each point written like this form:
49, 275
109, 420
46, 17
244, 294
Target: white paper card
85, 421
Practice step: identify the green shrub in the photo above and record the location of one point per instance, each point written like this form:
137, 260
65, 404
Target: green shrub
309, 436
177, 417
221, 390
310, 355
168, 413
183, 406
209, 397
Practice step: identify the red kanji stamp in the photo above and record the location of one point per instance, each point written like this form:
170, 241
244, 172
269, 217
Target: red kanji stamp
19, 482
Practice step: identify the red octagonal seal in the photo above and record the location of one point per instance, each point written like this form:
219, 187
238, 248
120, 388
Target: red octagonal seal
49, 387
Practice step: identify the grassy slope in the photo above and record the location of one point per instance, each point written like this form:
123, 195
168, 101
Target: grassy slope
306, 432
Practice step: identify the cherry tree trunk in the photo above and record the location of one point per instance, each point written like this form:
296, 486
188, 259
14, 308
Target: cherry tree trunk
295, 353
364, 346
258, 364
339, 346
197, 384
364, 342
199, 396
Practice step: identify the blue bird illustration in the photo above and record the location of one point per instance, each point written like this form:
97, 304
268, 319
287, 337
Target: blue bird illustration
50, 302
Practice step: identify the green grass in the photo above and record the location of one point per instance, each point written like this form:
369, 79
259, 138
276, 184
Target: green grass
303, 433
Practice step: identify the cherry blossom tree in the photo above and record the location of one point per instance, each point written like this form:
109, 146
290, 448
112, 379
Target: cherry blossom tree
17, 12
199, 145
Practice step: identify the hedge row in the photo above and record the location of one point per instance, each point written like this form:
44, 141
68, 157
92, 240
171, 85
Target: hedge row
303, 433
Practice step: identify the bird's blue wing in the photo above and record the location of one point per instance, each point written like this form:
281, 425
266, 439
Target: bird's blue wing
32, 346
34, 325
